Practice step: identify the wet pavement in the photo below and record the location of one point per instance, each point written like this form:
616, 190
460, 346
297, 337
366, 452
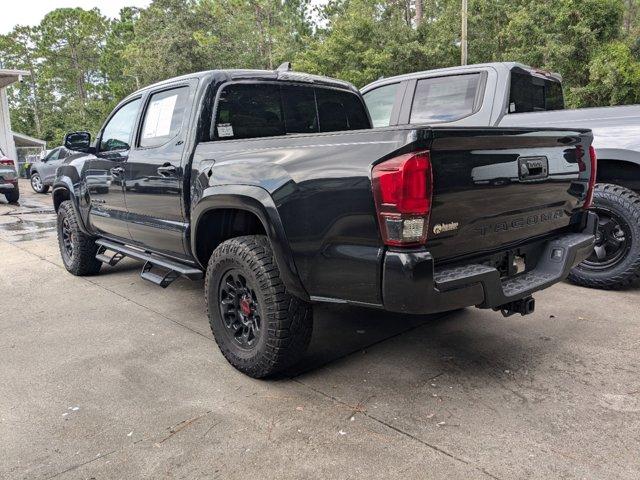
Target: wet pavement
110, 377
31, 218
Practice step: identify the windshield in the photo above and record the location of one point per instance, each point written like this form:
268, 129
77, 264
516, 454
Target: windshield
533, 93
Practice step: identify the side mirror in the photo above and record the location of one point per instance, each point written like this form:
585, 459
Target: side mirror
78, 141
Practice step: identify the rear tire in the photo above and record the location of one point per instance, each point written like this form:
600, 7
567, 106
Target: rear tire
13, 196
260, 328
615, 263
36, 183
77, 249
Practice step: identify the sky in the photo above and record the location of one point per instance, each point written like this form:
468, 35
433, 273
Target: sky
30, 12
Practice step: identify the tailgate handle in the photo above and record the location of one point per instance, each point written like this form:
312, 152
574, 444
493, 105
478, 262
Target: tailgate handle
533, 168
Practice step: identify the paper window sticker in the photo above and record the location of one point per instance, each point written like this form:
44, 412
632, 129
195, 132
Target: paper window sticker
159, 116
225, 130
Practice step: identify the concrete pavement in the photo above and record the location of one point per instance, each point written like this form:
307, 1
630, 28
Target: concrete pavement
111, 377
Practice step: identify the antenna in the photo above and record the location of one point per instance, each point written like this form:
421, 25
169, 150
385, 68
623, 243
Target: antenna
284, 67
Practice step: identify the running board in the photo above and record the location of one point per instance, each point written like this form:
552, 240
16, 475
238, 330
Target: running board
171, 269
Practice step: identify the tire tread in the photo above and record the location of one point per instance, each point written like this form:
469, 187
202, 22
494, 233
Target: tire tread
84, 262
629, 276
289, 319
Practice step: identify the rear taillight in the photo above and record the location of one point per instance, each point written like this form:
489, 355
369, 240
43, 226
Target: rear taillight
402, 190
6, 161
592, 178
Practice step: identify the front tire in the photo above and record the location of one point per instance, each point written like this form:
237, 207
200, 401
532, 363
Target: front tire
77, 249
615, 261
260, 328
36, 183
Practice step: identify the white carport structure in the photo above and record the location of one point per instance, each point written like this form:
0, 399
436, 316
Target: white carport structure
7, 77
25, 141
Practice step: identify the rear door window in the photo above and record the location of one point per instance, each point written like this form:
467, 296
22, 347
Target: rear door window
445, 99
249, 111
300, 114
267, 110
380, 103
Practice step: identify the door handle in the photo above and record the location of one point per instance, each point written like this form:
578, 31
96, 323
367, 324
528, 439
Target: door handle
167, 170
117, 171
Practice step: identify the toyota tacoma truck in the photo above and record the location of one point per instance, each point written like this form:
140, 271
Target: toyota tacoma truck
512, 94
274, 187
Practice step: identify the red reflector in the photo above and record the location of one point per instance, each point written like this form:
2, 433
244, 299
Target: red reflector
592, 178
402, 189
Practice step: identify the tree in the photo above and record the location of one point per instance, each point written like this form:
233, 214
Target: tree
563, 36
363, 41
614, 77
164, 43
17, 50
120, 78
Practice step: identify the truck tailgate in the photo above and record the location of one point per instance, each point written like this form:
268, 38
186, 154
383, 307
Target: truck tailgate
499, 187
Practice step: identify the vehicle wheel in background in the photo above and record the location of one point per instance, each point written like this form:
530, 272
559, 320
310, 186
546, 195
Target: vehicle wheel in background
615, 261
77, 249
37, 185
260, 328
13, 196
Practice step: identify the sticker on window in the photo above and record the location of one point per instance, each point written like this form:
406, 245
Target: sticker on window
159, 115
225, 130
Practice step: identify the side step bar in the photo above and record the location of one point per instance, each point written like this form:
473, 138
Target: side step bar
171, 268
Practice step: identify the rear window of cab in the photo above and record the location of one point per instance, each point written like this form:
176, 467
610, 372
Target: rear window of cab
253, 110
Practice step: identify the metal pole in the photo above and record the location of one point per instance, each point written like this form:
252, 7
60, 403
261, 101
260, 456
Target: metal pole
463, 40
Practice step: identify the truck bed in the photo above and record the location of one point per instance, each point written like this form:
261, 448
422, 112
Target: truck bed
321, 186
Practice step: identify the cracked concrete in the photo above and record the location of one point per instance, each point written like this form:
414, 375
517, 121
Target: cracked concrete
110, 377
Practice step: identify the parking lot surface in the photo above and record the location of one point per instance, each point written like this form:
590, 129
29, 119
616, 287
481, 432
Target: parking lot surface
111, 377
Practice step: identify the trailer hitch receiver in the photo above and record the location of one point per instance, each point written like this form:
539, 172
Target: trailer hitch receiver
524, 306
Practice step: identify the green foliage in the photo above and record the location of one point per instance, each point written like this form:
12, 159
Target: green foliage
82, 63
614, 78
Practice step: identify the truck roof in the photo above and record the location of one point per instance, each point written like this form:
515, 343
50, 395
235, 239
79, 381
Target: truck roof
500, 66
247, 74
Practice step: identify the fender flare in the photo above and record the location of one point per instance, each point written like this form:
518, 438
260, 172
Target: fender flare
257, 201
618, 154
65, 183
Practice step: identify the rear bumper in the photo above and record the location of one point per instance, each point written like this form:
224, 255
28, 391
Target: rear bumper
411, 283
7, 185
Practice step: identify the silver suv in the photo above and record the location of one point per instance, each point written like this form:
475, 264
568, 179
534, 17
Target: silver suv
8, 179
43, 171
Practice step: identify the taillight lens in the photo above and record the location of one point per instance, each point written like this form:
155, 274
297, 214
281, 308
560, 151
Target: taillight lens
592, 178
6, 161
402, 190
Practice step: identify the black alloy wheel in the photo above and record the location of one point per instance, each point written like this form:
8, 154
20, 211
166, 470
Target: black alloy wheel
612, 241
260, 327
240, 309
67, 237
615, 260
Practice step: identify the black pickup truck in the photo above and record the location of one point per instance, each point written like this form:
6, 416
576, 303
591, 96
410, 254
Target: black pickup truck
273, 186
